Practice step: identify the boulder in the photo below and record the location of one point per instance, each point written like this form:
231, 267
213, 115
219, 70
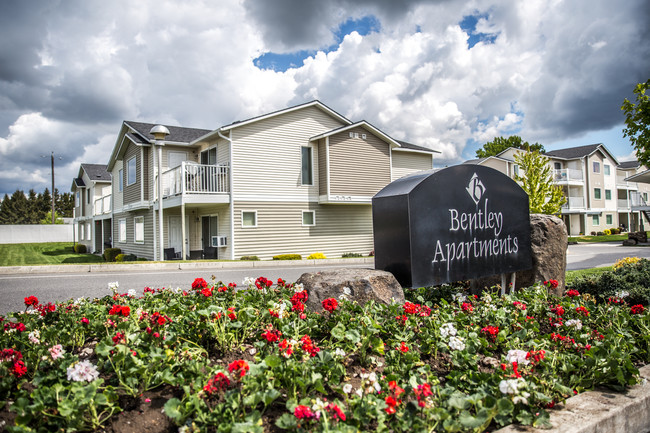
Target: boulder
548, 240
360, 285
630, 242
638, 236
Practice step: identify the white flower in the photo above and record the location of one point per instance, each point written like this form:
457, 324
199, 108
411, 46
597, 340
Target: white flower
576, 323
34, 337
448, 329
377, 386
346, 292
487, 298
456, 343
80, 301
249, 281
298, 287
359, 392
113, 286
339, 352
132, 292
83, 371
521, 398
622, 294
177, 290
372, 377
319, 405
347, 388
56, 351
509, 386
518, 356
459, 297
252, 351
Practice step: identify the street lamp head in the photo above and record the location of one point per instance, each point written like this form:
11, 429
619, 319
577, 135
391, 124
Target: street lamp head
159, 132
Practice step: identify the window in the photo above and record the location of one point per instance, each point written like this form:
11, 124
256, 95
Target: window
596, 167
138, 230
88, 195
597, 193
308, 218
130, 171
307, 175
609, 219
516, 170
209, 157
88, 232
608, 194
606, 169
78, 201
249, 218
595, 220
558, 165
122, 230
120, 180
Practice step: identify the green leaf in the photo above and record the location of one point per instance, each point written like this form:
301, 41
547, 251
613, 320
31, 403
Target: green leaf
505, 405
172, 410
353, 336
287, 422
273, 361
270, 395
338, 331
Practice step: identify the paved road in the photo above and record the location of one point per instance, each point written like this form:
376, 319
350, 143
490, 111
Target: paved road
63, 286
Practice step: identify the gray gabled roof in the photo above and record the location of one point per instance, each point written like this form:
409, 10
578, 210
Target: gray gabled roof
573, 152
409, 146
628, 164
177, 134
97, 172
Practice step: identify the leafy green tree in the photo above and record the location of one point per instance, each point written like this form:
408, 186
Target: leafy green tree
499, 144
543, 195
637, 122
48, 218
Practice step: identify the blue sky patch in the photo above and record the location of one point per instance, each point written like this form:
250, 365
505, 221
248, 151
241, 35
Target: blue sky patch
468, 25
282, 62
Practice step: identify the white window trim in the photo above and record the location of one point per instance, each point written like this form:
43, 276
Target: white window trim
594, 165
119, 230
135, 230
311, 153
600, 193
313, 218
82, 232
607, 170
595, 220
609, 217
89, 231
242, 219
135, 177
610, 194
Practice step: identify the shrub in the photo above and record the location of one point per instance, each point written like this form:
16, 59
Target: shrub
372, 253
600, 234
316, 256
631, 278
80, 249
593, 233
126, 258
111, 253
615, 231
250, 258
287, 257
142, 259
349, 255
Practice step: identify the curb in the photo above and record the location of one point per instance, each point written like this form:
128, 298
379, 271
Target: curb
179, 266
601, 411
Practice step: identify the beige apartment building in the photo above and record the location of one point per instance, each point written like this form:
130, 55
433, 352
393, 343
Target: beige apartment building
594, 183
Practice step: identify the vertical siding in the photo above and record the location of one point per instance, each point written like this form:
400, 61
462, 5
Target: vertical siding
358, 167
132, 193
267, 157
405, 163
339, 229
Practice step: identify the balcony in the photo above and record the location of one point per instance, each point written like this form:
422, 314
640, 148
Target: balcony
103, 205
574, 203
623, 204
567, 175
621, 183
196, 183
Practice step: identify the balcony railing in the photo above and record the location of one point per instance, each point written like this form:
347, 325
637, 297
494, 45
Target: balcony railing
574, 203
636, 199
192, 178
103, 205
567, 175
623, 203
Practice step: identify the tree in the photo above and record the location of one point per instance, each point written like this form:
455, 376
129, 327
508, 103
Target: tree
48, 218
543, 195
499, 144
637, 122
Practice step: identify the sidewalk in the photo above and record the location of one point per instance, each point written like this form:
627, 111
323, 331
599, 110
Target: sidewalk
173, 265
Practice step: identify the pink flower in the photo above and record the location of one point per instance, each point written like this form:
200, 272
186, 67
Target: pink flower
56, 351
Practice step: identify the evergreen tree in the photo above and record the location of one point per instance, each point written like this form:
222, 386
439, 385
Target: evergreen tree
64, 205
544, 196
5, 212
45, 204
17, 212
32, 206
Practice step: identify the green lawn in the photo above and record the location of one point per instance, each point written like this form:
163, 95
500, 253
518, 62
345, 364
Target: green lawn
609, 238
52, 253
593, 272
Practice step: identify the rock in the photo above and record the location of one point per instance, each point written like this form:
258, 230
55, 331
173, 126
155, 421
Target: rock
364, 285
638, 236
548, 240
630, 242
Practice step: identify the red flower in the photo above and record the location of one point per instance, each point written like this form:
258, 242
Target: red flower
330, 304
217, 383
402, 348
304, 412
18, 369
84, 321
199, 284
286, 349
535, 356
119, 338
392, 400
239, 367
421, 393
491, 332
262, 283
416, 309
402, 319
467, 307
231, 313
558, 309
308, 346
271, 335
31, 300
335, 411
551, 284
572, 293
118, 310
637, 309
519, 305
206, 291
582, 310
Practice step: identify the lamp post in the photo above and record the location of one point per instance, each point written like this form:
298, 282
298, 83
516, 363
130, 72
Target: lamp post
160, 132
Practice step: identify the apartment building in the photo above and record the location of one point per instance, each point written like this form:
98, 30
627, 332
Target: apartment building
594, 184
92, 207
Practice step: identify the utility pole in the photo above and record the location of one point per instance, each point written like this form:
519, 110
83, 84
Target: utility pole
52, 164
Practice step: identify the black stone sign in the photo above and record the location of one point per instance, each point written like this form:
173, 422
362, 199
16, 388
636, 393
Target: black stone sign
458, 223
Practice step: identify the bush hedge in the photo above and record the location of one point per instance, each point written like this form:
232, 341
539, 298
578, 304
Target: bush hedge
250, 258
80, 249
287, 257
111, 253
126, 258
350, 255
316, 256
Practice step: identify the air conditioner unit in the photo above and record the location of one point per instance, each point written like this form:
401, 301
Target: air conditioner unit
219, 241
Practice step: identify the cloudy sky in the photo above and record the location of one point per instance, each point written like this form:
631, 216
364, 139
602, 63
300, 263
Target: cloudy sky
449, 75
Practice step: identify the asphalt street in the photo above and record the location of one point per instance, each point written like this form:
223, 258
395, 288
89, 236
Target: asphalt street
63, 286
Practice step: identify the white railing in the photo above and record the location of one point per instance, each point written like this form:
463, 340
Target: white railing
623, 203
637, 199
574, 203
567, 175
620, 181
103, 205
192, 178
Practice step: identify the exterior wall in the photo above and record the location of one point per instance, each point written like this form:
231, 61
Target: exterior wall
338, 229
357, 166
321, 148
595, 180
130, 247
405, 163
266, 155
496, 164
133, 192
118, 196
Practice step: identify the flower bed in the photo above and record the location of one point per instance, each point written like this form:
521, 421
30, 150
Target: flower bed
252, 358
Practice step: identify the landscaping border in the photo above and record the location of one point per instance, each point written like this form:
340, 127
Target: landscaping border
601, 411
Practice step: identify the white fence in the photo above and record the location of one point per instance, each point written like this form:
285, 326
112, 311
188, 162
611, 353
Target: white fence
33, 233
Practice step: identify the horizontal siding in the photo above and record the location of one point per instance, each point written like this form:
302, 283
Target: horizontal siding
130, 247
338, 230
358, 167
132, 193
117, 197
405, 163
321, 151
194, 226
502, 166
267, 154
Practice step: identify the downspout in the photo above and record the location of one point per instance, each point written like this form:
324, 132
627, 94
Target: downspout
232, 201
